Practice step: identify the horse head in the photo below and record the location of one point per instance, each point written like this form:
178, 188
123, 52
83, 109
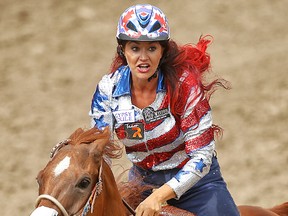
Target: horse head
72, 181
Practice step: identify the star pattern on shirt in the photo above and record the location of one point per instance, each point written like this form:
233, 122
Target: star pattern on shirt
180, 175
200, 165
100, 123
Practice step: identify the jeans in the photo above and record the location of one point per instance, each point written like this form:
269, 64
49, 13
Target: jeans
208, 197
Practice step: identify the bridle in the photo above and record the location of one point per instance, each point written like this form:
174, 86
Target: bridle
94, 194
89, 204
53, 200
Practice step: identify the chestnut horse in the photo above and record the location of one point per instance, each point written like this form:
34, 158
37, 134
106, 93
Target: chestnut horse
78, 181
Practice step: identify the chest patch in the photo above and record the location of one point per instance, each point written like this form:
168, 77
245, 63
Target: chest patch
134, 130
124, 116
150, 115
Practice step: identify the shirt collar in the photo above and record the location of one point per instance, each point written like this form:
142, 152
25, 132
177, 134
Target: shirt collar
122, 87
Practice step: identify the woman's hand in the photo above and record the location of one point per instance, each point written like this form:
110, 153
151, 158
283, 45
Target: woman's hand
151, 206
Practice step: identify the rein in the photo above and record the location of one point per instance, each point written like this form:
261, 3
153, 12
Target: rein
130, 209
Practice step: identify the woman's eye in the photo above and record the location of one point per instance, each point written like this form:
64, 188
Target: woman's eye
152, 48
135, 49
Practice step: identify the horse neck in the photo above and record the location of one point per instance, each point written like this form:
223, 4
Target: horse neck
281, 210
109, 201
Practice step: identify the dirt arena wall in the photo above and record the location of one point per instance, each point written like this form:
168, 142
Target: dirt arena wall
53, 53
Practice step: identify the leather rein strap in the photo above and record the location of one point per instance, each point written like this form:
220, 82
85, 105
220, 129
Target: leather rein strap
130, 209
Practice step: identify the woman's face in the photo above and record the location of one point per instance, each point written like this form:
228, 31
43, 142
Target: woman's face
143, 58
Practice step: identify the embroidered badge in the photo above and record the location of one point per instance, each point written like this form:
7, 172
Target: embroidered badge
200, 165
124, 116
134, 130
150, 115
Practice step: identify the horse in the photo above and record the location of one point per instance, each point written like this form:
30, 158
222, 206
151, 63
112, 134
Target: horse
279, 210
78, 180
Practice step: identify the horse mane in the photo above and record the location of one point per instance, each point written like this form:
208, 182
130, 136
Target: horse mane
132, 190
81, 136
132, 193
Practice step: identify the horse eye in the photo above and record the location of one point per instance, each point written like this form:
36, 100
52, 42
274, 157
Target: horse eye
84, 183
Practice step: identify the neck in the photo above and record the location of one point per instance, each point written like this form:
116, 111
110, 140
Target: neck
105, 199
144, 85
143, 97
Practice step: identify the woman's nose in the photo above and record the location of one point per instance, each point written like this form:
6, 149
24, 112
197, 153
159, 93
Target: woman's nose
143, 55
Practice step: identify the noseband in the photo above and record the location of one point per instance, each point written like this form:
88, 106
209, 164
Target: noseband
54, 201
89, 204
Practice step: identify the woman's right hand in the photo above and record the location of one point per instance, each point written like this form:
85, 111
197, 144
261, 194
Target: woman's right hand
151, 206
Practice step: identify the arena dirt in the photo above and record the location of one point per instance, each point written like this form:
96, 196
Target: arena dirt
53, 53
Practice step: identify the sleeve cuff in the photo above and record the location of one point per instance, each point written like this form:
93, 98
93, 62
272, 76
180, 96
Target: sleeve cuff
179, 188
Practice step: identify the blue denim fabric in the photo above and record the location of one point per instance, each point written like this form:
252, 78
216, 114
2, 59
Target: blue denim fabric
209, 197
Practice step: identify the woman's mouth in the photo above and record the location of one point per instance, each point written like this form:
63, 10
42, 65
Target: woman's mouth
143, 68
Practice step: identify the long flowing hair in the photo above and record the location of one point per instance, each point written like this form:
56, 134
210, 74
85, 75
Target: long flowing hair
175, 60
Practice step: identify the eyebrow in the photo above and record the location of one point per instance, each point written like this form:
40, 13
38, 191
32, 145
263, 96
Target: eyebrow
138, 42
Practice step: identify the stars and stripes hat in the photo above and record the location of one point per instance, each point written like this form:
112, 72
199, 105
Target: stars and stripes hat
143, 22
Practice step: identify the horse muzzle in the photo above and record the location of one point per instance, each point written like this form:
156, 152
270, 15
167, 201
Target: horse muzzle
44, 211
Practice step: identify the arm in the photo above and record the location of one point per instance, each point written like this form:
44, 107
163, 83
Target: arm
196, 125
101, 110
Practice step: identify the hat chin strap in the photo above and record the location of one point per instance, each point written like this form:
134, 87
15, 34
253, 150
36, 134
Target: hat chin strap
54, 201
153, 76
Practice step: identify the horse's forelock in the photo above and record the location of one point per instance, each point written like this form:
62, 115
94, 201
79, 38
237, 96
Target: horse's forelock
81, 136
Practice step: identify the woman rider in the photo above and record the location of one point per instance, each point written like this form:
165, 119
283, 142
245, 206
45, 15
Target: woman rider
157, 102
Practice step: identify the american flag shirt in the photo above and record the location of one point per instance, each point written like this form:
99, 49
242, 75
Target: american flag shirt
154, 139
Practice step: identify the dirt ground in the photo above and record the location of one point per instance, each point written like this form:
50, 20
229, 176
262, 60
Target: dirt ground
53, 53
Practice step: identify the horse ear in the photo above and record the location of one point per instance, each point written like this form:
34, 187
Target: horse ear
103, 138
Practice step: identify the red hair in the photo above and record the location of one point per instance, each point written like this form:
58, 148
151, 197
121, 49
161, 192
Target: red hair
196, 60
177, 59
